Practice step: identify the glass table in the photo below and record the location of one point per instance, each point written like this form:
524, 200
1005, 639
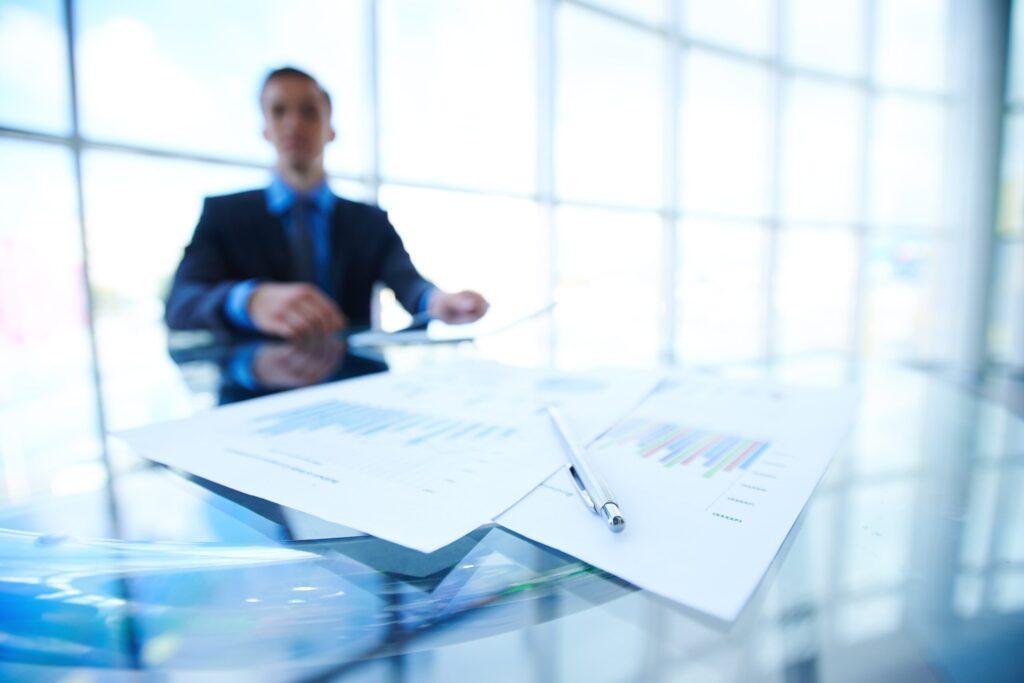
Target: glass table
907, 564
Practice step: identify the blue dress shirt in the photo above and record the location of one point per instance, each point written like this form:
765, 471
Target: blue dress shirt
281, 198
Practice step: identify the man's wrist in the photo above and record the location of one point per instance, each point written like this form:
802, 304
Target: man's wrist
236, 306
427, 300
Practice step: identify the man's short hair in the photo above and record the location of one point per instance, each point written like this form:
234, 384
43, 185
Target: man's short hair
292, 72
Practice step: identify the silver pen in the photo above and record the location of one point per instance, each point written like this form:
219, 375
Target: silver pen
592, 489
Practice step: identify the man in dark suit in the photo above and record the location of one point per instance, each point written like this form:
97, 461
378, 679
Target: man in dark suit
293, 259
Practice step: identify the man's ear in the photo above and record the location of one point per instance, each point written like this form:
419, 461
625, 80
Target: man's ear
266, 133
331, 134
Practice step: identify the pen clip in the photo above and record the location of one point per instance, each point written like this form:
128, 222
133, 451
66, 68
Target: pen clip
581, 489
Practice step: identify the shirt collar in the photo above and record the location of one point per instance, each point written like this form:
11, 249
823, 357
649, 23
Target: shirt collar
281, 196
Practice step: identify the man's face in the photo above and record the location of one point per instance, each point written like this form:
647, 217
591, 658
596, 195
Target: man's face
296, 121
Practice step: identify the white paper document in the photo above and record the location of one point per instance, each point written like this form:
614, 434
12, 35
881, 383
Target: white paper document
710, 476
419, 459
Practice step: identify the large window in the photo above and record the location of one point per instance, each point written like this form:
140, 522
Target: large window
45, 361
609, 82
458, 101
184, 75
1006, 313
34, 67
695, 181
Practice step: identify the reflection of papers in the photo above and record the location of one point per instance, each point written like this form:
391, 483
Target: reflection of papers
710, 476
438, 332
419, 459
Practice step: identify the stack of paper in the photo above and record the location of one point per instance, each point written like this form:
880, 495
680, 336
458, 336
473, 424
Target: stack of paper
710, 475
419, 459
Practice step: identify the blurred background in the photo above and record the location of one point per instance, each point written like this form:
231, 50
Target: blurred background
694, 181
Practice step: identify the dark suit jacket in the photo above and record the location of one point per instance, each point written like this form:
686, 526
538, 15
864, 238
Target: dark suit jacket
238, 238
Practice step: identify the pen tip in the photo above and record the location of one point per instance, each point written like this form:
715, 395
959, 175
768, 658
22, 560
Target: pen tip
616, 522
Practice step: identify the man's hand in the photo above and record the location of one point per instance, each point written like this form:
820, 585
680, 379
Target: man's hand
294, 309
460, 307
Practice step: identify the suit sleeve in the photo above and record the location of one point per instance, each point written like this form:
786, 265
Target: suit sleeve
398, 272
201, 285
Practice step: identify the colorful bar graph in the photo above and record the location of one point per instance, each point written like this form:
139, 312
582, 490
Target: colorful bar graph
367, 420
672, 444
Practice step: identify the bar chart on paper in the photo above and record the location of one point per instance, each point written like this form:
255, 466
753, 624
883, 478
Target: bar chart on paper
673, 445
430, 453
732, 474
367, 420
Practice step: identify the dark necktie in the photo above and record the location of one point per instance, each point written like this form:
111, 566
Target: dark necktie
303, 261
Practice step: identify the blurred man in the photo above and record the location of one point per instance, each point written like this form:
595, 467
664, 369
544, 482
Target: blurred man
294, 260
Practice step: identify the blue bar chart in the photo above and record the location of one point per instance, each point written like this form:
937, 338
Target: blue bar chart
367, 420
